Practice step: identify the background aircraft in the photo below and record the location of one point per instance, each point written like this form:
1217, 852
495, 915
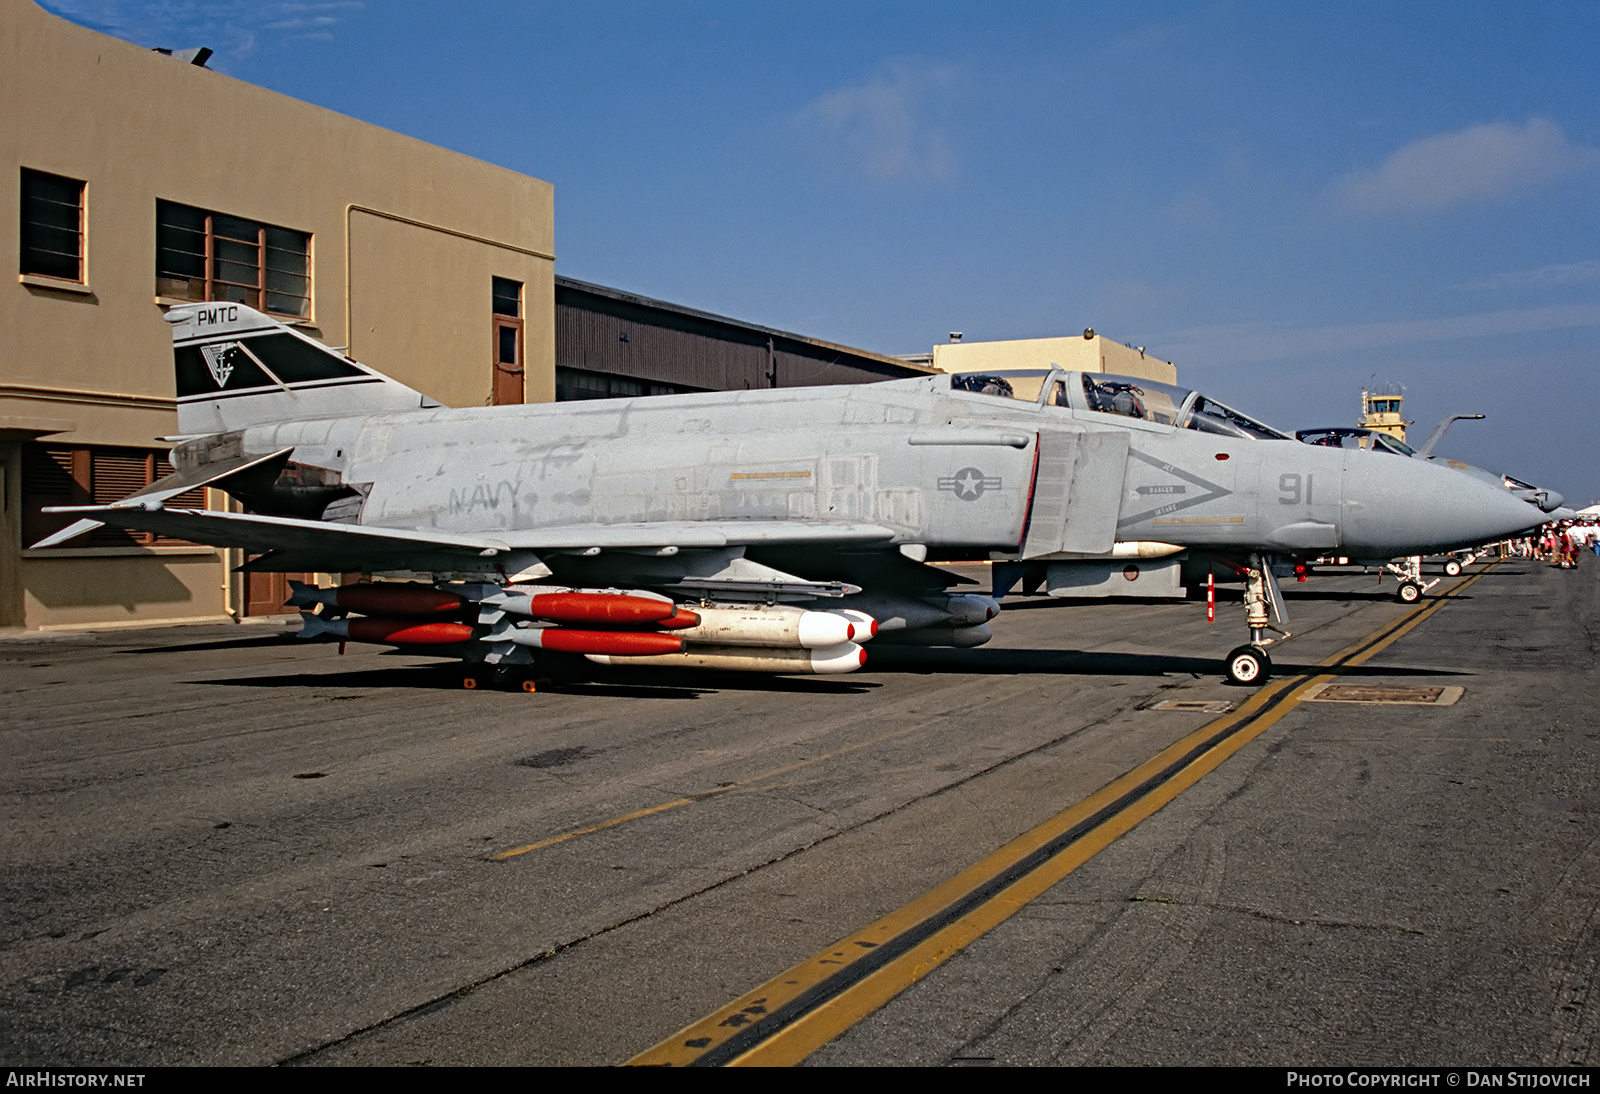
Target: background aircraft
766, 530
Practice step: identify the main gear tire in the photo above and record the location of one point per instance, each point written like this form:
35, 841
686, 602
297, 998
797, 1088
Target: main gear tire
1409, 592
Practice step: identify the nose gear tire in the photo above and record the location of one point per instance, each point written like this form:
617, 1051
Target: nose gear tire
1249, 665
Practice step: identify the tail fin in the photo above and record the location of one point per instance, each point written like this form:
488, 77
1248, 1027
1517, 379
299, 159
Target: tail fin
236, 368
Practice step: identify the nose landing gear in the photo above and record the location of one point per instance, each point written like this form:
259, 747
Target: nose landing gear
1250, 664
1409, 571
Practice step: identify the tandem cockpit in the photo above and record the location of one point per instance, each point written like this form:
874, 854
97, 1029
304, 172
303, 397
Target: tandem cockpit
1124, 396
1352, 437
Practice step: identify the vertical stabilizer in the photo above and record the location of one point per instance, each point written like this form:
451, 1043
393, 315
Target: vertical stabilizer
236, 368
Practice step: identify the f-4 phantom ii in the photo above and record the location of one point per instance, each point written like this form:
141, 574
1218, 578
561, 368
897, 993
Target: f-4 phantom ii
771, 530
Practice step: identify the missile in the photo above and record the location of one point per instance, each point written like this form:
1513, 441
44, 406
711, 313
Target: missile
787, 628
560, 605
576, 607
593, 642
393, 632
845, 657
382, 598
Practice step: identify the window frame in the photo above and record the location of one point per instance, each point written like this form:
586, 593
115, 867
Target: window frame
509, 383
61, 474
209, 286
24, 267
574, 385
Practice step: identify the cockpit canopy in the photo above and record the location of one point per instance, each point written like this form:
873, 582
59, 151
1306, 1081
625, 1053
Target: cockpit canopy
1350, 437
1125, 396
1024, 384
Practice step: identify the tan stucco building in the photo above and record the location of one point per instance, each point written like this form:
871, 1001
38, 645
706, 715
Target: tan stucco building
1089, 352
139, 180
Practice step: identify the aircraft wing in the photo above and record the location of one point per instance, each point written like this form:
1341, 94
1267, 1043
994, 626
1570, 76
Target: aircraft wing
296, 544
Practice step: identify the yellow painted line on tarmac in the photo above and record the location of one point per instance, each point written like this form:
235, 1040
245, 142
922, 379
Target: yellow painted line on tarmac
743, 784
602, 826
791, 1016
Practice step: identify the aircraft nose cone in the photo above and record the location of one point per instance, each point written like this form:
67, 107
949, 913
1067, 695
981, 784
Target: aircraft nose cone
1395, 507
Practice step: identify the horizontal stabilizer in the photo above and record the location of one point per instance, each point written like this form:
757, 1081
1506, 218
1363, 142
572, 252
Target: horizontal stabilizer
206, 474
70, 532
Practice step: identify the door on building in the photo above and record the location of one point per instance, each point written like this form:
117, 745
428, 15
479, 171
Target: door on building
265, 593
508, 371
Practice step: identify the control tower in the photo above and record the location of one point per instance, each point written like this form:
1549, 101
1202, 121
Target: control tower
1380, 412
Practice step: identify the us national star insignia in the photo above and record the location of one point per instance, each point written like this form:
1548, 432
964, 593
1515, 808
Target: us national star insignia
969, 483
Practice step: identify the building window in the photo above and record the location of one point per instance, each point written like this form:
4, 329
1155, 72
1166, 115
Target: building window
506, 302
211, 256
52, 226
58, 475
573, 384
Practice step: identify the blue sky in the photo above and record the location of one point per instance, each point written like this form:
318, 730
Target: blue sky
1287, 199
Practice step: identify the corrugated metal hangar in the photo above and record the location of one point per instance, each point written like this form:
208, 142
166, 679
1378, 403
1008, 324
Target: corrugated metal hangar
610, 344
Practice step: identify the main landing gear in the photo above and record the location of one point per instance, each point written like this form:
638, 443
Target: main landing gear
1250, 664
1409, 571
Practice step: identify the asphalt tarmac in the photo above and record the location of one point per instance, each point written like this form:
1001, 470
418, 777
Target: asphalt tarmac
222, 846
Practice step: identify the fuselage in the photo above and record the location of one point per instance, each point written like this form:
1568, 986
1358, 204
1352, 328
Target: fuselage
957, 471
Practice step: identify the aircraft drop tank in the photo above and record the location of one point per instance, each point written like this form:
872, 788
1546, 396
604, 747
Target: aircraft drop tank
845, 657
569, 640
778, 627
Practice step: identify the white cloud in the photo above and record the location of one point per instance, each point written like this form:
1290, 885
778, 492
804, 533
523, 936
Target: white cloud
885, 128
1468, 167
1246, 343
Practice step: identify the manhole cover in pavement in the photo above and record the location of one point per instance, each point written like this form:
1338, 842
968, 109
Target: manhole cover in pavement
1195, 706
1427, 695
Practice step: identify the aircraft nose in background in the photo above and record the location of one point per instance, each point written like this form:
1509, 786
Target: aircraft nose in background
1395, 506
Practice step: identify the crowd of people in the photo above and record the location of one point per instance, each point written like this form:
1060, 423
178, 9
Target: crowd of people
1557, 543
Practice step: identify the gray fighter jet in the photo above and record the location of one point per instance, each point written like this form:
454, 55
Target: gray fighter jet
766, 530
